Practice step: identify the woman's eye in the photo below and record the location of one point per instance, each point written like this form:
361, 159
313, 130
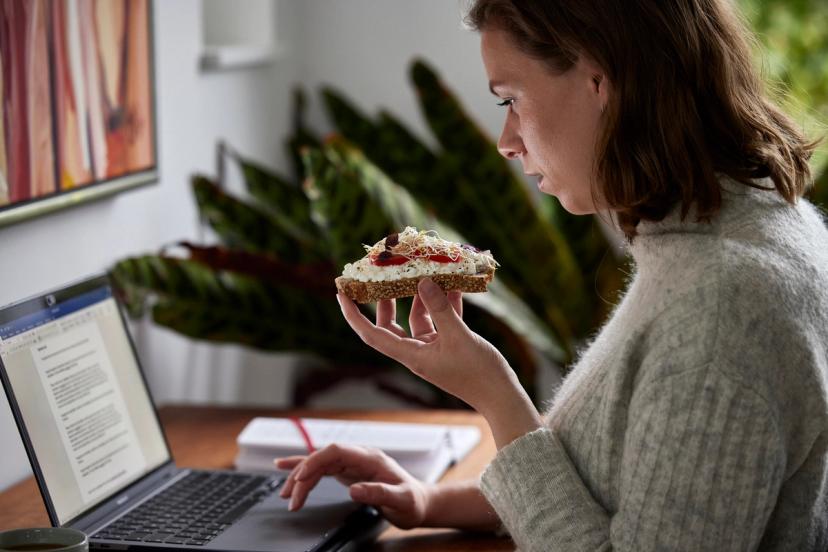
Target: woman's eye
507, 101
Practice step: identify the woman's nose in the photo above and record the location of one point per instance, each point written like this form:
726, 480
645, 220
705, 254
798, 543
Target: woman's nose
510, 144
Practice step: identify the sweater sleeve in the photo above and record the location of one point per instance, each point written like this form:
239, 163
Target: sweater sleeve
701, 466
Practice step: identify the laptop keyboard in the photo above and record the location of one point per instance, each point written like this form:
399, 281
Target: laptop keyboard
194, 511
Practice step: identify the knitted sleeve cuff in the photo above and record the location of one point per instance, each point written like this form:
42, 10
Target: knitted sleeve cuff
534, 488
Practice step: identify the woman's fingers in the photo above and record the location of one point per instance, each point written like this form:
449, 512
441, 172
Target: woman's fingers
386, 312
372, 477
387, 317
287, 487
354, 462
456, 300
381, 494
300, 482
301, 489
419, 320
441, 309
287, 462
333, 459
401, 349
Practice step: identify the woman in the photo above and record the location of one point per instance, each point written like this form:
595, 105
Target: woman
697, 419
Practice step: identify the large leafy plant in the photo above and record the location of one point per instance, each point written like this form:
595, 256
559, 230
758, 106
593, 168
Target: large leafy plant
268, 283
793, 53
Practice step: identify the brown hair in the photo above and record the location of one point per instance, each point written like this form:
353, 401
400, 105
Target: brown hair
687, 103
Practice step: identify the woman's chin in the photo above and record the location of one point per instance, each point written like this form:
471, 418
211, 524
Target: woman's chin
575, 207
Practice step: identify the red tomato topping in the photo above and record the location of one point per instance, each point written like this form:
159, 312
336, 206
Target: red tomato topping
442, 259
388, 260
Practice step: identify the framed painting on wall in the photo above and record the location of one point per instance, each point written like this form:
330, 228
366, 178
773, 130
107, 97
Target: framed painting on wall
78, 111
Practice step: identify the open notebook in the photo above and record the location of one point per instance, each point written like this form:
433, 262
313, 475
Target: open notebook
424, 450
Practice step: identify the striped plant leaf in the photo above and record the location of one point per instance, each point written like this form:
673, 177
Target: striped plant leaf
390, 146
357, 204
452, 127
285, 201
247, 227
341, 209
350, 121
195, 300
315, 278
410, 163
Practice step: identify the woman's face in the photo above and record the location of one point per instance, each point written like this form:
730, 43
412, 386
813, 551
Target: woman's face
552, 121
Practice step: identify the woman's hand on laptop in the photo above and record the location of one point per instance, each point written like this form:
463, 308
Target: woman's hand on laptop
372, 476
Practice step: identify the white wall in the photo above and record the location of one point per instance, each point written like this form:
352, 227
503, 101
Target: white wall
361, 46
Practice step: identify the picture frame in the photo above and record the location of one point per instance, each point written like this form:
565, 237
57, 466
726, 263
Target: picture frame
77, 103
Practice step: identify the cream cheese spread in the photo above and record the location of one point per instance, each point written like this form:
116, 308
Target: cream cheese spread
417, 246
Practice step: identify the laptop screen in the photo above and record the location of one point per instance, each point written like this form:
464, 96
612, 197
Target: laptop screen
79, 390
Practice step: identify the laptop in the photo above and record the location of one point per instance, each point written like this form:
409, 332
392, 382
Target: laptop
78, 394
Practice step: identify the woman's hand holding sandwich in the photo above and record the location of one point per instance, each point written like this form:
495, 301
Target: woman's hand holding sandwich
444, 351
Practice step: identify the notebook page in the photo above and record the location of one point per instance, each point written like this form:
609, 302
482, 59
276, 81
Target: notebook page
398, 439
429, 466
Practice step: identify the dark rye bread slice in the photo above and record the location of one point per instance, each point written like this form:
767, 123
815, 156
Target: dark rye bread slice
370, 292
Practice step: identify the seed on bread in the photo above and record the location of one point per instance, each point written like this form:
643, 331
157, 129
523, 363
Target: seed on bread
371, 292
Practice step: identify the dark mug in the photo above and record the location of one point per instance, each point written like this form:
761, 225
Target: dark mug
53, 539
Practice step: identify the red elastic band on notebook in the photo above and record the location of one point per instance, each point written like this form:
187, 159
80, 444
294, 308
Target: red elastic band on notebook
304, 432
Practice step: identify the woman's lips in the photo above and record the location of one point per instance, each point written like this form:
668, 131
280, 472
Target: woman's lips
540, 181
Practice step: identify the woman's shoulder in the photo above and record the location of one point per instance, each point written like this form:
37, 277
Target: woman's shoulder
759, 253
772, 261
748, 296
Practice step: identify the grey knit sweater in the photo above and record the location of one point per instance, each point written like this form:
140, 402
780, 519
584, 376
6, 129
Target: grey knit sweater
698, 417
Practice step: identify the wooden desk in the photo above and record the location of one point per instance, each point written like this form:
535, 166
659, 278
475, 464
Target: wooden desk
205, 437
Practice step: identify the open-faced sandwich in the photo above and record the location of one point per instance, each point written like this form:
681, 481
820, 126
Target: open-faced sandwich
394, 266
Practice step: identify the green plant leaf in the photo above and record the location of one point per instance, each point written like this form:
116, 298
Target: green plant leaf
793, 55
286, 203
350, 121
195, 300
248, 227
819, 192
411, 164
312, 278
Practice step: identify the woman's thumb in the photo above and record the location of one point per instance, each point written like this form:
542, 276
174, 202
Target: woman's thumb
438, 305
379, 494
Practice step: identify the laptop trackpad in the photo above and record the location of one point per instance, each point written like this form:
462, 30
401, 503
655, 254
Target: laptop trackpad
269, 526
